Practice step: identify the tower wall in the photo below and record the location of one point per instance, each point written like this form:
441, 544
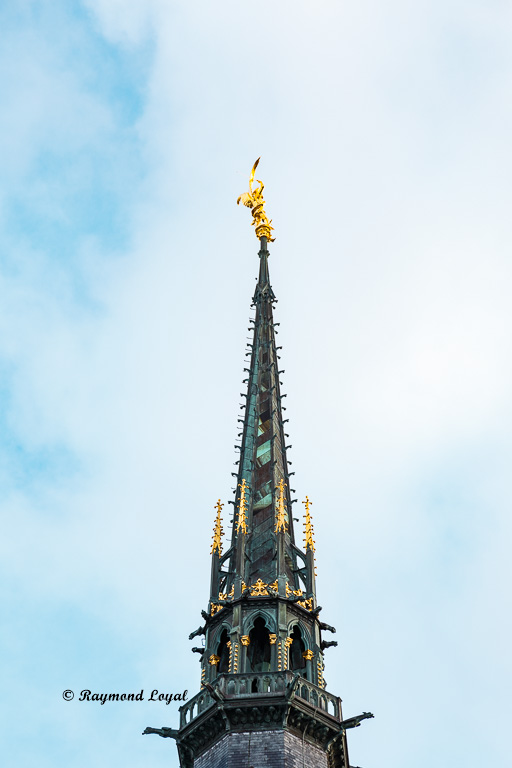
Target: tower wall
262, 749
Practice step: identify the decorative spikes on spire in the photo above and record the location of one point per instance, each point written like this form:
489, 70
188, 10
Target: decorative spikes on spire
280, 508
308, 526
218, 531
241, 523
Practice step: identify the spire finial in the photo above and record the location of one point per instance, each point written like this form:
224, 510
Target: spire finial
241, 523
253, 199
280, 508
217, 531
308, 526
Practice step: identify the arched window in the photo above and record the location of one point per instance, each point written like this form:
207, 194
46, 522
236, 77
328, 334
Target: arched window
297, 648
259, 647
223, 652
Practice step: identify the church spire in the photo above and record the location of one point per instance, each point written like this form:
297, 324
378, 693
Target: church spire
262, 661
263, 477
263, 560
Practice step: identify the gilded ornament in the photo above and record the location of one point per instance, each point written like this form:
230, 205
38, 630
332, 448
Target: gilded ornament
290, 592
241, 524
306, 604
308, 655
217, 531
288, 642
308, 527
320, 670
214, 660
253, 199
280, 508
259, 589
272, 638
245, 640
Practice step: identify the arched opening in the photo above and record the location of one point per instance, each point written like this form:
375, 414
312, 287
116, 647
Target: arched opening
297, 648
259, 647
223, 652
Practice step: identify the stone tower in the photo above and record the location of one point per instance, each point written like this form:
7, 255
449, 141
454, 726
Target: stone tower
263, 700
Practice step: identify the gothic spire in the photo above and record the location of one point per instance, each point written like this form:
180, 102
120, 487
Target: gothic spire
263, 551
262, 660
262, 569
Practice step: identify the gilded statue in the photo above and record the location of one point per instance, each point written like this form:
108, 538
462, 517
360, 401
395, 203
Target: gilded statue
253, 199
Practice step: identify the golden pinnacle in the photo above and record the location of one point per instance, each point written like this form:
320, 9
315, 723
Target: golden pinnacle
241, 524
218, 531
308, 527
280, 508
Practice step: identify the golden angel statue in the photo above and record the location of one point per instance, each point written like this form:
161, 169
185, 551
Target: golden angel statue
253, 199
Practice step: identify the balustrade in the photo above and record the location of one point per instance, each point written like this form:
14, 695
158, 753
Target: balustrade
260, 684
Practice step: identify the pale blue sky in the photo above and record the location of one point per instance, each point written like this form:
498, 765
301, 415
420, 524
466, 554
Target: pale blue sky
128, 131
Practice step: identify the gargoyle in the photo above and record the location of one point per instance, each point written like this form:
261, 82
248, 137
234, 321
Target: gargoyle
198, 631
316, 610
166, 733
205, 616
328, 644
355, 722
326, 627
201, 650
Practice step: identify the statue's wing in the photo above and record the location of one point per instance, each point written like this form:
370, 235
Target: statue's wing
251, 178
